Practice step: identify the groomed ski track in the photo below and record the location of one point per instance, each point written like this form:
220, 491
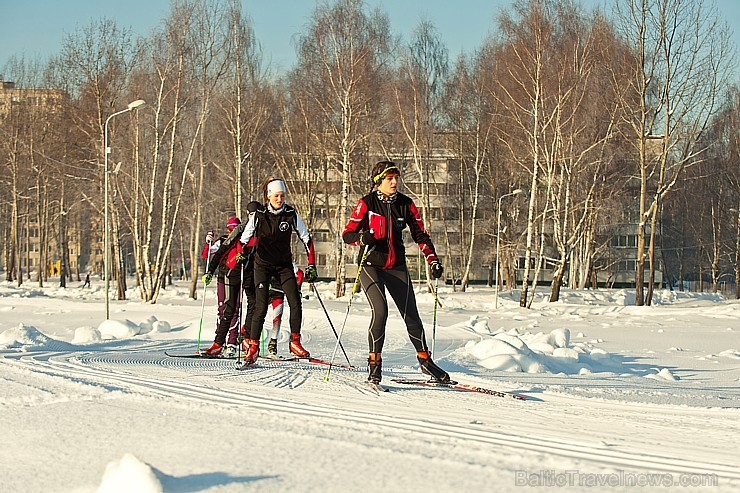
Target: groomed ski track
541, 429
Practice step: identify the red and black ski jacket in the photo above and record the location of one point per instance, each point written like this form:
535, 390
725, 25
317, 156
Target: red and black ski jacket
222, 259
387, 217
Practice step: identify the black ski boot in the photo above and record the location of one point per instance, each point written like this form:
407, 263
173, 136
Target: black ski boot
374, 365
430, 368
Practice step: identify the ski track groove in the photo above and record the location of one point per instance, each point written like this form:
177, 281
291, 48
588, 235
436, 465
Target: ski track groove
84, 368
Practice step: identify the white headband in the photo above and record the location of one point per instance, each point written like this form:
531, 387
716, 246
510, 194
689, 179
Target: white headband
275, 186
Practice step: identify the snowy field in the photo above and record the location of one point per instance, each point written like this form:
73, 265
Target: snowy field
618, 398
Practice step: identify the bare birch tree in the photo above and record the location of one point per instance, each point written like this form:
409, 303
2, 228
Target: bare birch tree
528, 46
341, 56
187, 60
418, 97
682, 55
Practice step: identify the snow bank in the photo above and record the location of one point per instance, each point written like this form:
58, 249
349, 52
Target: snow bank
26, 336
86, 335
23, 335
124, 329
151, 324
664, 375
521, 351
129, 474
117, 329
730, 353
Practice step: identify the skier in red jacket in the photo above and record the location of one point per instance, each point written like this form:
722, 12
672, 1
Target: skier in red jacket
376, 224
228, 291
227, 252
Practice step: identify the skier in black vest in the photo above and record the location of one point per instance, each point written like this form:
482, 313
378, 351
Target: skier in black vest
377, 223
273, 226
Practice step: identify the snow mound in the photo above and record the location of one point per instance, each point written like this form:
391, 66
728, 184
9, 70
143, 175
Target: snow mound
479, 326
25, 336
731, 353
116, 329
664, 375
151, 324
521, 351
147, 325
161, 326
129, 474
505, 353
86, 335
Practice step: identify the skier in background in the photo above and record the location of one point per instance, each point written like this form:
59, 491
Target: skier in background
229, 250
277, 301
228, 290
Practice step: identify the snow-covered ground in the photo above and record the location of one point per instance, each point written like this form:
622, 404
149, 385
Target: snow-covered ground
618, 396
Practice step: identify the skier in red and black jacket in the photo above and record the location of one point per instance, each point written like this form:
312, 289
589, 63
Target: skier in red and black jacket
227, 289
228, 253
376, 224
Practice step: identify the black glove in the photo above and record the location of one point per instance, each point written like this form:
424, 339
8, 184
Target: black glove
367, 238
311, 273
240, 257
436, 269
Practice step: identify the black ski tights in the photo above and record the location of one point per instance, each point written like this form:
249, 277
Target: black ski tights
397, 281
262, 276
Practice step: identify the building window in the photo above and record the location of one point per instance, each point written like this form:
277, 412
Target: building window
624, 241
321, 236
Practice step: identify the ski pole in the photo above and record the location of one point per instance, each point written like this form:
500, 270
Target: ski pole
239, 336
346, 315
330, 323
434, 323
203, 303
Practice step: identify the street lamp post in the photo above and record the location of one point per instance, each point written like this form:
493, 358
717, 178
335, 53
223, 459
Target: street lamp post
498, 239
106, 243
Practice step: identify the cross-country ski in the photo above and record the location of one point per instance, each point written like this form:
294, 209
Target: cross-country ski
457, 386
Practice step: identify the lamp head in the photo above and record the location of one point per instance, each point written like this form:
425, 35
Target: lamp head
136, 104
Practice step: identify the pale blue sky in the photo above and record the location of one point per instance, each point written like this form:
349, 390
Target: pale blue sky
37, 27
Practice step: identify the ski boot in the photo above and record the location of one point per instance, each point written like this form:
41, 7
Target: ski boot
296, 347
229, 351
252, 352
374, 366
272, 348
430, 368
213, 351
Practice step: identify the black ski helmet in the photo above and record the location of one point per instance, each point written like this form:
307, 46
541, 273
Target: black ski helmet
253, 206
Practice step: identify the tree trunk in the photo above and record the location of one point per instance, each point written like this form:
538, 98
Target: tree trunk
63, 243
737, 257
